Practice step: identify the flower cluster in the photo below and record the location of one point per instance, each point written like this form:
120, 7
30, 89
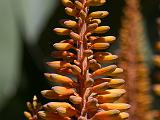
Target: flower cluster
86, 89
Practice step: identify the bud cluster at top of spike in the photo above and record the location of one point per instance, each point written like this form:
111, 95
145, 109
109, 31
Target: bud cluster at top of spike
92, 90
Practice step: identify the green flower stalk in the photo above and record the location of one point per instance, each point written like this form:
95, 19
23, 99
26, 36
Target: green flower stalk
89, 91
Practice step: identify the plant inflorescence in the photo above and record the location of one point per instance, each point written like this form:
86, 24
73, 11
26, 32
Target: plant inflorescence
89, 89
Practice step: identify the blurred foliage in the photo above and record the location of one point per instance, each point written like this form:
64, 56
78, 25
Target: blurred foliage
26, 37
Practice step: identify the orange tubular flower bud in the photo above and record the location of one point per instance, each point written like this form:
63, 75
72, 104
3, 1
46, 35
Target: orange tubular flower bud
27, 115
104, 57
95, 2
58, 64
55, 107
117, 72
75, 99
62, 46
92, 104
101, 29
60, 79
100, 46
107, 39
62, 31
104, 71
63, 91
70, 11
69, 23
51, 116
98, 21
108, 115
100, 88
114, 106
62, 54
156, 89
112, 82
67, 3
75, 69
98, 14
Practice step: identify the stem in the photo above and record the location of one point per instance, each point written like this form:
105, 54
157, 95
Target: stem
82, 45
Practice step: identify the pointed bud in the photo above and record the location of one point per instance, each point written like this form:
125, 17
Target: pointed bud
107, 39
109, 97
108, 115
124, 115
69, 23
94, 65
78, 5
104, 71
112, 82
95, 2
98, 14
92, 27
62, 90
74, 36
53, 107
51, 116
101, 29
75, 99
62, 31
100, 46
98, 21
62, 46
105, 57
118, 71
58, 64
60, 79
114, 106
70, 11
67, 3
100, 88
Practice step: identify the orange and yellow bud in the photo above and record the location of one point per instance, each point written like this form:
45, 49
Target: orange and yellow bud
98, 14
62, 46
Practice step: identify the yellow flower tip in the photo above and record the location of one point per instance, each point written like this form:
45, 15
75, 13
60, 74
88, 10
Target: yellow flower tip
111, 114
63, 91
117, 72
58, 65
67, 3
54, 106
110, 96
124, 115
101, 29
98, 21
75, 99
59, 79
107, 39
69, 23
95, 2
114, 106
100, 46
99, 14
62, 31
62, 46
104, 71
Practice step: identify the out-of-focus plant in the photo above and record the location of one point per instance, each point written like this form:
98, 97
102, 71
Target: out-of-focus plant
132, 60
88, 90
